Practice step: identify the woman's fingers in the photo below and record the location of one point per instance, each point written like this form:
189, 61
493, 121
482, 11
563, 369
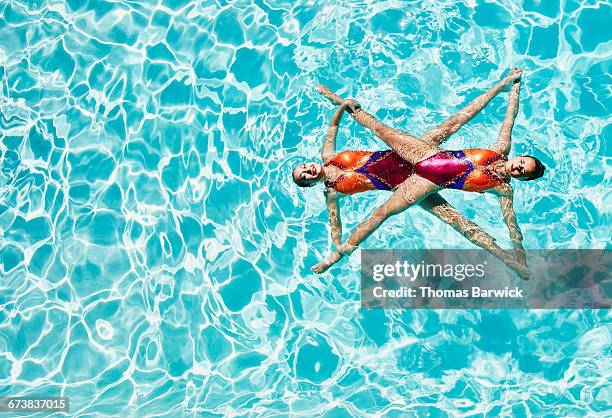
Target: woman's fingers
320, 267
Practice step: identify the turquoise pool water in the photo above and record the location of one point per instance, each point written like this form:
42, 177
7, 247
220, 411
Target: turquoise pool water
155, 255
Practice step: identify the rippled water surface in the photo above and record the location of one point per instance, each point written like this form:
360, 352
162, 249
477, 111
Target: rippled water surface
155, 255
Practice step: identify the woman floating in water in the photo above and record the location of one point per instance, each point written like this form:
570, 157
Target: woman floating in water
416, 168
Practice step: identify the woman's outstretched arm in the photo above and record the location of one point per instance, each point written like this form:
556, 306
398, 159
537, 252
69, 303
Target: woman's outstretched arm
504, 139
333, 210
329, 146
516, 236
442, 132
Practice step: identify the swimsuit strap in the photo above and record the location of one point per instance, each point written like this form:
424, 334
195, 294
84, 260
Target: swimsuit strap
495, 157
494, 176
492, 159
332, 161
332, 184
335, 164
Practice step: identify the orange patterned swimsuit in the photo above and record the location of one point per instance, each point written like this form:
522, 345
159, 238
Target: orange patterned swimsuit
385, 170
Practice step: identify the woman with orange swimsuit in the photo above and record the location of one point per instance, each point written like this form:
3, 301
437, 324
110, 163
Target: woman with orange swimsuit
416, 168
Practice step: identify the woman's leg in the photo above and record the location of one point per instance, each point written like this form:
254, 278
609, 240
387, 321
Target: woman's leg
410, 192
410, 148
439, 207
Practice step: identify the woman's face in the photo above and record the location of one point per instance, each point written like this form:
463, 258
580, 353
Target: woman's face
520, 167
307, 173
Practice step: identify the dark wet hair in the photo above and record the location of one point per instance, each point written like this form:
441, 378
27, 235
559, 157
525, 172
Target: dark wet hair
300, 182
539, 169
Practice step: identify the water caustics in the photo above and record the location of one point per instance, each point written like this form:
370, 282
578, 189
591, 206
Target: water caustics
155, 255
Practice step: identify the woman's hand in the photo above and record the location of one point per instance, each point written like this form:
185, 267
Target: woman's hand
351, 105
513, 75
323, 266
520, 269
524, 273
514, 264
